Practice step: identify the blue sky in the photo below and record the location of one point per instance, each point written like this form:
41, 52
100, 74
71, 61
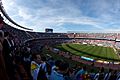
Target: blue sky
65, 15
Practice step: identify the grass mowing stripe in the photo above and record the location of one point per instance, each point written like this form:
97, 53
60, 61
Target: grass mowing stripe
91, 55
94, 51
81, 47
71, 50
113, 53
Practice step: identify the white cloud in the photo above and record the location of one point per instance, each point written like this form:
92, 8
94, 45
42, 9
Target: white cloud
56, 13
22, 12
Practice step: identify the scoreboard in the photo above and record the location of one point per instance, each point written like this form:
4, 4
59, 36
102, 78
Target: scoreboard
47, 30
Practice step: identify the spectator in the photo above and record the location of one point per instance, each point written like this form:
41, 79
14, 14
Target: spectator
79, 75
1, 21
59, 74
107, 75
100, 75
35, 65
8, 57
51, 61
3, 74
113, 76
57, 64
45, 70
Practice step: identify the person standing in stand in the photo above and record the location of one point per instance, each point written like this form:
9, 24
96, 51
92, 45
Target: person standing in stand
35, 65
8, 57
3, 74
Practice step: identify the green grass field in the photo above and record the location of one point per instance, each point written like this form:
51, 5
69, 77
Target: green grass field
95, 52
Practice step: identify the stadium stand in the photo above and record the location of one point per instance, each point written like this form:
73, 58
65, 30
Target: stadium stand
23, 56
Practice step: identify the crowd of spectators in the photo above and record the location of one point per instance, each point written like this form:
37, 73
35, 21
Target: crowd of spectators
19, 62
89, 38
95, 35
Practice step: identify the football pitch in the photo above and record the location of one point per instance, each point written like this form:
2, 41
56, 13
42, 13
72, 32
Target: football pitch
94, 52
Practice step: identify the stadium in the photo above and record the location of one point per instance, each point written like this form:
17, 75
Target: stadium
79, 55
